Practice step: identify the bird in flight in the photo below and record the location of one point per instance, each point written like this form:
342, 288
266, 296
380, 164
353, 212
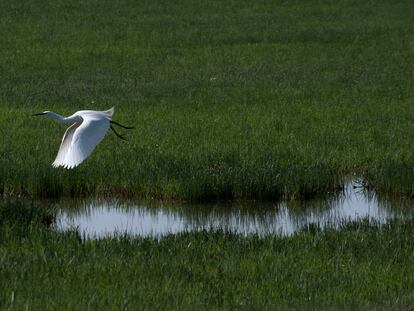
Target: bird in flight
88, 128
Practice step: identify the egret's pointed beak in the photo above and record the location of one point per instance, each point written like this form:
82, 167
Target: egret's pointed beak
38, 114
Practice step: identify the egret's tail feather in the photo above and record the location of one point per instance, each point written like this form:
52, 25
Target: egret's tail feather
110, 112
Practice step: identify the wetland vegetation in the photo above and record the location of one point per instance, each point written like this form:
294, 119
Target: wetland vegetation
230, 100
359, 266
233, 100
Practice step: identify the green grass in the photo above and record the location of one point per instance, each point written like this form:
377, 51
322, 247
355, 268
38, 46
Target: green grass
231, 100
361, 266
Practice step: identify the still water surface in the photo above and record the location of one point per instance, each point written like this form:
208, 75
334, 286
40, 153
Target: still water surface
104, 218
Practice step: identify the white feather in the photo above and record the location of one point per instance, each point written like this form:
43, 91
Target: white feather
85, 138
65, 144
110, 112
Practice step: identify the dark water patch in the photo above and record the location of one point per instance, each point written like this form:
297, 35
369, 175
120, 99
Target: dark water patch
105, 218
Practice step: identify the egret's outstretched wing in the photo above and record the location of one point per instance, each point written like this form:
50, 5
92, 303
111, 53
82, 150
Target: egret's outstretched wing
65, 144
85, 138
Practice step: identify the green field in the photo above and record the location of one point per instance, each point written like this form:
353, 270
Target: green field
359, 267
230, 100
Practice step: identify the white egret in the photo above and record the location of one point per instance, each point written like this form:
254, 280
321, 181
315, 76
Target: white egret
86, 132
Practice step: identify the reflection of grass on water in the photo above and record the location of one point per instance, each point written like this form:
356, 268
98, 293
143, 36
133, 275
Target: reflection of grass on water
229, 99
361, 265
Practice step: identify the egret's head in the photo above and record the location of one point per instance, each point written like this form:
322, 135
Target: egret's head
41, 113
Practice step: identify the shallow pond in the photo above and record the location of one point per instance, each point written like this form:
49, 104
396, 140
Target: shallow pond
104, 218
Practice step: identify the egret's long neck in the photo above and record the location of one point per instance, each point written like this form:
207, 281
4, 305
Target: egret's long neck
61, 119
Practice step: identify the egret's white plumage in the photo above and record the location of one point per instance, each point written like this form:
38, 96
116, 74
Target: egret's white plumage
86, 132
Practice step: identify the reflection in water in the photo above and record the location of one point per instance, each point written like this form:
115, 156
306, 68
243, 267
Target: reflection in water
97, 219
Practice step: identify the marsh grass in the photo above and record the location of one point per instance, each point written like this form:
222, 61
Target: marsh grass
229, 99
24, 213
361, 265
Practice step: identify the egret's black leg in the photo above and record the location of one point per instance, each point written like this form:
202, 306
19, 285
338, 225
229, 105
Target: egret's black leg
119, 136
125, 127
